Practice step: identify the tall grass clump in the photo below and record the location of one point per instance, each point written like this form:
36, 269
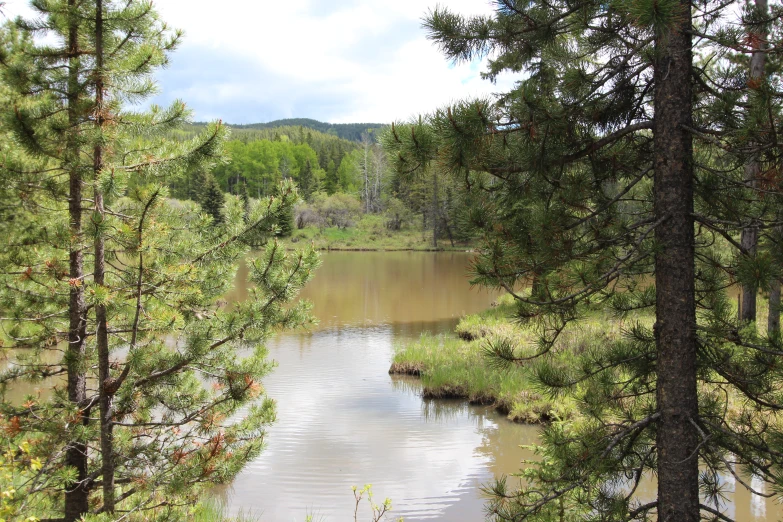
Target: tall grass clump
459, 366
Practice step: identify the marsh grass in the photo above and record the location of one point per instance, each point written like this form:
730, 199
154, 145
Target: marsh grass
451, 368
214, 510
457, 366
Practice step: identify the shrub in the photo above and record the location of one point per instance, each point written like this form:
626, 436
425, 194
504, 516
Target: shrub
338, 210
397, 214
307, 216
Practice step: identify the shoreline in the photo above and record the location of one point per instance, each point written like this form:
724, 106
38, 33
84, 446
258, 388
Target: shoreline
456, 366
459, 393
392, 249
371, 235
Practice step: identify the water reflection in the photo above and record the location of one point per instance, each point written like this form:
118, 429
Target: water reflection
343, 421
413, 291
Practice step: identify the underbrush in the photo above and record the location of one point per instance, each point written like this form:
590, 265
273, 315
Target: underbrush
369, 233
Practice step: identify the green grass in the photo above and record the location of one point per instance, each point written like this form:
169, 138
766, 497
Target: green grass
214, 510
369, 233
453, 368
456, 366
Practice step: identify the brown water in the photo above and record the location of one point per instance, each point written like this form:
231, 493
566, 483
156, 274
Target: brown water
343, 421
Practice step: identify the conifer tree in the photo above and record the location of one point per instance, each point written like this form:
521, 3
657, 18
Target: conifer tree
113, 286
212, 199
244, 197
306, 180
750, 234
584, 185
194, 182
331, 181
285, 215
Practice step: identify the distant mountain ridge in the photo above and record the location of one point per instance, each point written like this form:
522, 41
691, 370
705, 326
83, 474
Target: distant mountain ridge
346, 131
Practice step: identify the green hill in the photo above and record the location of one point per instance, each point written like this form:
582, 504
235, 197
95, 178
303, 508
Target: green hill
346, 131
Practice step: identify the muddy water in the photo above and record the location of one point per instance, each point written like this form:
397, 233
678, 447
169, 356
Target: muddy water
343, 421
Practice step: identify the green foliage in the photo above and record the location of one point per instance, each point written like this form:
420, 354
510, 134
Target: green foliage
261, 157
212, 199
398, 215
331, 179
467, 366
337, 210
260, 165
107, 281
349, 172
285, 215
19, 465
377, 512
560, 179
345, 131
308, 182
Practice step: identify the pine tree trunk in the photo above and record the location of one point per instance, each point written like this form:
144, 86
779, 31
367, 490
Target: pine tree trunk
102, 336
773, 319
750, 235
675, 329
76, 496
749, 242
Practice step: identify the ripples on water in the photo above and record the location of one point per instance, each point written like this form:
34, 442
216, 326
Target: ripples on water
344, 421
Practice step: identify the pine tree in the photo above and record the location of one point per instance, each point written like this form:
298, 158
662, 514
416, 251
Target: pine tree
103, 268
212, 199
332, 180
285, 215
306, 180
585, 186
244, 197
742, 123
195, 181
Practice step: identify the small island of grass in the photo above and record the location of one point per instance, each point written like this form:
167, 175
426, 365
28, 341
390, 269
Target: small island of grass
459, 365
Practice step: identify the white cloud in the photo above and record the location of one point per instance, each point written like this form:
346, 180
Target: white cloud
340, 61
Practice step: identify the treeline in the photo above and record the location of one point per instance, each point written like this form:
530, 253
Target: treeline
346, 131
323, 166
258, 160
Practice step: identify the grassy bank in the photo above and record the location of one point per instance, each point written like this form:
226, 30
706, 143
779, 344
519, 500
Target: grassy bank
369, 233
456, 366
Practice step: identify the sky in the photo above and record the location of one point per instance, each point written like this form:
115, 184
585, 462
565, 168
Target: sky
340, 61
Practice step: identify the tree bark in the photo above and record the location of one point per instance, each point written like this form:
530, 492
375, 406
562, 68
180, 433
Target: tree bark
76, 495
675, 329
102, 336
773, 319
750, 235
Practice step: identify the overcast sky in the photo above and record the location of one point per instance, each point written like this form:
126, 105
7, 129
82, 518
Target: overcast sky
247, 61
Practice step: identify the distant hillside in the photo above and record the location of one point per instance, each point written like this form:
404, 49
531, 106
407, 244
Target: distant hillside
346, 131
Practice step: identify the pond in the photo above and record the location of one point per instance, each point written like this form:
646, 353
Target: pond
343, 420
